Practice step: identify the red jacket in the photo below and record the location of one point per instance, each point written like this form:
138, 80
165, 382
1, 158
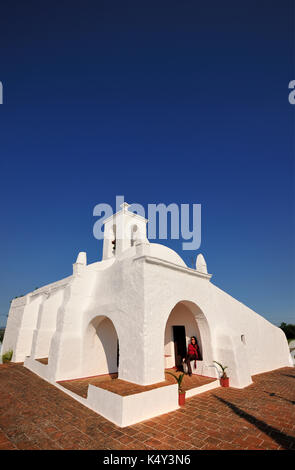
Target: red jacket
192, 349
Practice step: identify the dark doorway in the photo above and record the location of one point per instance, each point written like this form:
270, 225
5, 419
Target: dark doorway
179, 345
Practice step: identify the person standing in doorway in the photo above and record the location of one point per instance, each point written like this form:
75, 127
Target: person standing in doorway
192, 354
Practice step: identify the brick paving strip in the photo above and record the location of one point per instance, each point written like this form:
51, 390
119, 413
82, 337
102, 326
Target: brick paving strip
36, 415
123, 388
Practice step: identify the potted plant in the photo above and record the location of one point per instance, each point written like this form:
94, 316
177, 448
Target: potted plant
181, 392
224, 379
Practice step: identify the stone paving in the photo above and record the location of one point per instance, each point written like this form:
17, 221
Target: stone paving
36, 415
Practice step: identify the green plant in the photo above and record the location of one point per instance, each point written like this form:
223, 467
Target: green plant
224, 375
288, 329
7, 356
178, 378
2, 331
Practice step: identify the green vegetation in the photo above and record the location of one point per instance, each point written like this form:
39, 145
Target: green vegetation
178, 379
2, 331
7, 356
224, 376
289, 330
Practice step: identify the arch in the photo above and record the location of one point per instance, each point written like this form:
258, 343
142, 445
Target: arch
114, 238
100, 347
134, 234
188, 314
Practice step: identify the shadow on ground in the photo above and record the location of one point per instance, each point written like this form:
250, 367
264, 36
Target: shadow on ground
284, 440
272, 394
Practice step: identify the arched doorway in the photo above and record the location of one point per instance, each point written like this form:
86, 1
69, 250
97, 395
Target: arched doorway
186, 319
101, 347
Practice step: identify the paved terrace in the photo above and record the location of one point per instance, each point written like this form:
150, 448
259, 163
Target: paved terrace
111, 383
36, 415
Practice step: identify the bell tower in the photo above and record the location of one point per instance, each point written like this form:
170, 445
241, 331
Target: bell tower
123, 230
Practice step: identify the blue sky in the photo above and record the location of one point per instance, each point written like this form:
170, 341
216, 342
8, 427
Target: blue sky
183, 102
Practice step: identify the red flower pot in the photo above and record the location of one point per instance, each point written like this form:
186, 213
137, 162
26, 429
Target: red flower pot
224, 381
181, 398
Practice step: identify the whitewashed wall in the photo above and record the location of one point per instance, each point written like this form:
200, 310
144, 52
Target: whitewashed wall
129, 296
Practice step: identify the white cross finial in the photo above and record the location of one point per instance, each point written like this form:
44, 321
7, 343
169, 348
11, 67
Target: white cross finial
125, 206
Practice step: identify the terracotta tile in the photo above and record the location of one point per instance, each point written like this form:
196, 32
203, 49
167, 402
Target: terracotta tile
7, 446
126, 439
35, 415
